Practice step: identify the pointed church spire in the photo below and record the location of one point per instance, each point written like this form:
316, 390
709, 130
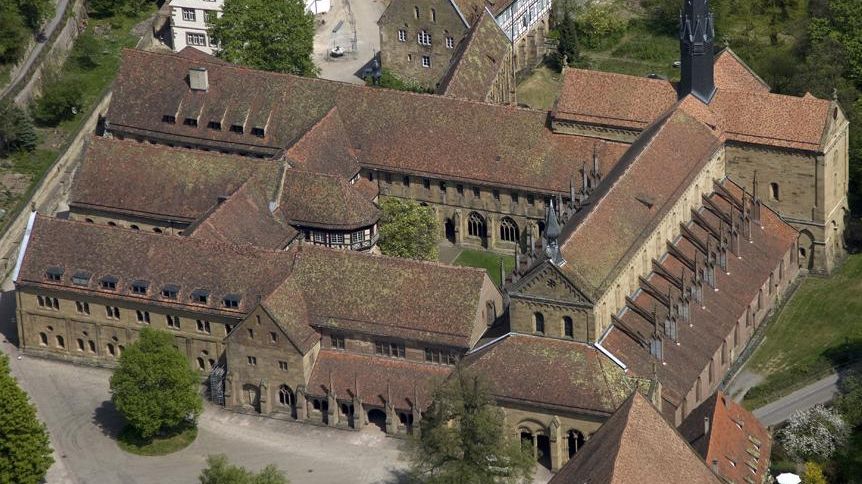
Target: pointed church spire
696, 43
552, 233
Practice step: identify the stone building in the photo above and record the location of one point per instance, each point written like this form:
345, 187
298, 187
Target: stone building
418, 39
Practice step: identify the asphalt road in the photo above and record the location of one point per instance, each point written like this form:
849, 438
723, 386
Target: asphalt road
48, 30
821, 391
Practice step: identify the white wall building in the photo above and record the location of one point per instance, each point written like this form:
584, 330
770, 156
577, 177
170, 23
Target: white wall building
189, 21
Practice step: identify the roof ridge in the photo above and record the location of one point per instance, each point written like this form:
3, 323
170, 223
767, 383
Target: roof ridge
177, 149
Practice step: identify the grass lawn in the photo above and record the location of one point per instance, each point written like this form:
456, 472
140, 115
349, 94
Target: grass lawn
820, 328
486, 260
131, 442
540, 90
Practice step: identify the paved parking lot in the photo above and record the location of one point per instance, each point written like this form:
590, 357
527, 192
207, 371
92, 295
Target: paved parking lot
74, 402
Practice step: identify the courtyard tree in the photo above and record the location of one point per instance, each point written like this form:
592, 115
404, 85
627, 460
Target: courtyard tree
273, 36
220, 471
17, 132
25, 451
813, 434
155, 387
567, 43
463, 438
408, 229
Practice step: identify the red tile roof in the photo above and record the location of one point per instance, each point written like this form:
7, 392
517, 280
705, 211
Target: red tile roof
636, 445
735, 439
325, 148
534, 370
376, 379
325, 201
732, 73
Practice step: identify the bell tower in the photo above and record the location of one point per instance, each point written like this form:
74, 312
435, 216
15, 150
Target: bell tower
696, 42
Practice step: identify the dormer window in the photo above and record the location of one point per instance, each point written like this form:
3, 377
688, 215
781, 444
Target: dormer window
140, 287
54, 274
81, 278
236, 128
214, 125
169, 118
191, 122
200, 296
259, 132
231, 301
170, 291
109, 283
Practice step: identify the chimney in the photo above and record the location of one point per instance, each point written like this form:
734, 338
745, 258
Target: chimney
198, 79
705, 426
696, 49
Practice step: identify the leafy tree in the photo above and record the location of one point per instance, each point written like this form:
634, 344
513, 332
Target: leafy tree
463, 439
849, 403
567, 43
813, 474
86, 51
219, 471
600, 22
36, 11
25, 451
663, 15
61, 99
13, 32
408, 229
17, 132
155, 387
273, 36
813, 434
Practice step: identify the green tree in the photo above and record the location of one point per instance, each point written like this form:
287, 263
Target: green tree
463, 438
86, 51
61, 99
849, 403
600, 22
408, 229
13, 32
220, 471
25, 451
813, 474
273, 36
36, 11
155, 387
663, 15
17, 132
567, 43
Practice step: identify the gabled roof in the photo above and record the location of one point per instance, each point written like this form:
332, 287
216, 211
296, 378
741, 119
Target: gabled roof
732, 438
636, 445
157, 181
732, 73
477, 62
287, 307
325, 148
425, 135
324, 201
635, 196
608, 99
541, 371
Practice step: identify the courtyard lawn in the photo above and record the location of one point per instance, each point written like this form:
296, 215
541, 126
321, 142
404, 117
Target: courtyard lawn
486, 260
540, 90
820, 328
131, 442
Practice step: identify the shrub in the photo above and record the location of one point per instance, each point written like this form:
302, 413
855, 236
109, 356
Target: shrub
61, 99
600, 23
16, 130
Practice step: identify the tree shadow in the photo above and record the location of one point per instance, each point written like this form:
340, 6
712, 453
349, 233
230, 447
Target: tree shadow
108, 419
398, 476
8, 325
846, 358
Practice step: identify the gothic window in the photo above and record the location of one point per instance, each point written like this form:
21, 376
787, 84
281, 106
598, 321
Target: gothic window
774, 192
172, 321
285, 396
43, 339
203, 326
568, 327
61, 343
80, 344
201, 364
111, 349
112, 312
92, 345
424, 38
575, 440
539, 323
143, 316
509, 230
476, 225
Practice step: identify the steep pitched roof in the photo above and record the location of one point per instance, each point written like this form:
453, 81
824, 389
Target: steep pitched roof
389, 130
712, 321
634, 197
325, 148
608, 99
732, 73
288, 308
477, 61
390, 296
735, 440
635, 445
324, 201
157, 181
159, 259
543, 371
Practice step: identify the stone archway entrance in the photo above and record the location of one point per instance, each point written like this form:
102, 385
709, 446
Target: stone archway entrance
251, 396
378, 418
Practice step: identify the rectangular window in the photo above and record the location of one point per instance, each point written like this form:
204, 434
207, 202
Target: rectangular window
170, 119
189, 14
282, 365
214, 125
173, 321
273, 337
112, 312
460, 189
48, 302
82, 307
196, 39
204, 326
231, 301
439, 357
450, 43
336, 239
442, 186
531, 200
402, 35
392, 350
426, 183
143, 316
496, 194
252, 361
170, 292
424, 38
259, 132
515, 197
426, 61
406, 181
191, 122
236, 128
476, 192
319, 237
109, 283
139, 287
336, 342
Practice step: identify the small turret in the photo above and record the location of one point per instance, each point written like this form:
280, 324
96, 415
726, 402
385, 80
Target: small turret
552, 233
696, 43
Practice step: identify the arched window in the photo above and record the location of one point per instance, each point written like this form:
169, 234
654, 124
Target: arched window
416, 12
111, 350
509, 230
43, 339
285, 396
80, 344
774, 191
201, 364
61, 343
575, 441
157, 230
539, 323
433, 15
476, 225
568, 327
